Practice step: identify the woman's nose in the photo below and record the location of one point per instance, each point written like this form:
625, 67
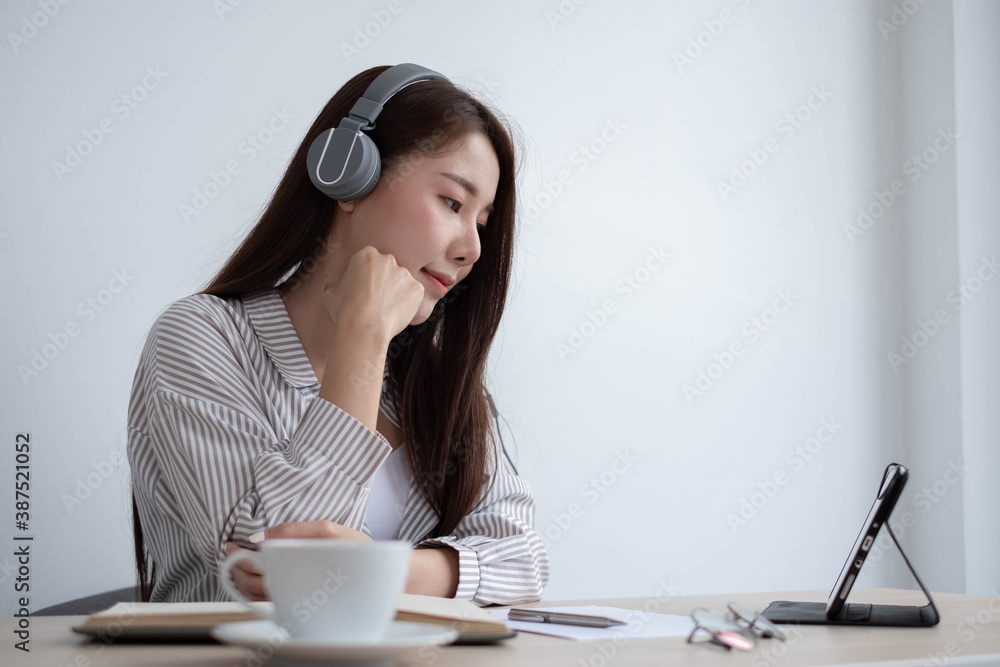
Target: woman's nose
469, 246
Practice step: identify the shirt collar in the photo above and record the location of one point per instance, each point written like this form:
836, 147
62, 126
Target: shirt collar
270, 321
274, 328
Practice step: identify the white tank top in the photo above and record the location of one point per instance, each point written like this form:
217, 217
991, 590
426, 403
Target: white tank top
387, 499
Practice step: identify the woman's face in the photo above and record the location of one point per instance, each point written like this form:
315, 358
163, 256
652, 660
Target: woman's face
426, 214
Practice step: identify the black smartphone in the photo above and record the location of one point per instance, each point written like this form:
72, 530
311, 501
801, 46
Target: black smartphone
892, 485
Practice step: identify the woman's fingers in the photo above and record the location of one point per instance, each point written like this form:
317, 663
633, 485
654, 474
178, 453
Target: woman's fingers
251, 585
304, 529
299, 529
247, 576
248, 567
245, 565
376, 290
315, 529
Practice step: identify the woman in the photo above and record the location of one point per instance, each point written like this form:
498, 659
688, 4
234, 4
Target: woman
329, 382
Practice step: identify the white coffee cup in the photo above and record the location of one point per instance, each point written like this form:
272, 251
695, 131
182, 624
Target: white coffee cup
328, 589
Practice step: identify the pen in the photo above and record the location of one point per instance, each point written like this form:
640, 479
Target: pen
562, 618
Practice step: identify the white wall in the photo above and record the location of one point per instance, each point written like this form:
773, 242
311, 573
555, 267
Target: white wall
677, 130
977, 106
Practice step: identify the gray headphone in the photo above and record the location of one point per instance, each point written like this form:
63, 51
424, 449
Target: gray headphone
343, 162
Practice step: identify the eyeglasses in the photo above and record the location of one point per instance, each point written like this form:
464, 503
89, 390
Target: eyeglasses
738, 629
754, 621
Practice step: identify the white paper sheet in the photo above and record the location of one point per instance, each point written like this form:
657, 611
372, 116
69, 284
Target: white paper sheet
638, 624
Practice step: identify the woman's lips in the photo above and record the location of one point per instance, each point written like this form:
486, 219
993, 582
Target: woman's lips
438, 285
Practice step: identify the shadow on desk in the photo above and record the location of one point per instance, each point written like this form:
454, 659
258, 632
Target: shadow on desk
89, 605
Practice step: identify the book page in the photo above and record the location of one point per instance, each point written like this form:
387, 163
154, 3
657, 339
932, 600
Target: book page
184, 608
444, 607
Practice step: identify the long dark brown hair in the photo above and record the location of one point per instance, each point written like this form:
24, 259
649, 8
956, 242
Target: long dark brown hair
449, 442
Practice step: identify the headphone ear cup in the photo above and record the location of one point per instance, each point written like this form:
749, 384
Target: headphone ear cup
344, 164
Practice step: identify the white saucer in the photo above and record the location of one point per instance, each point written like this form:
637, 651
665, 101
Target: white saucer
270, 642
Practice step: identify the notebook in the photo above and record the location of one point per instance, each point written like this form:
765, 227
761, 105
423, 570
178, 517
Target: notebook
155, 621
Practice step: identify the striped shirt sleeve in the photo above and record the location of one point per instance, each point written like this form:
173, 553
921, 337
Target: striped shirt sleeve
501, 559
228, 471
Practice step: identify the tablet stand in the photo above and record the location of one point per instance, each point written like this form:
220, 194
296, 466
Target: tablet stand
814, 613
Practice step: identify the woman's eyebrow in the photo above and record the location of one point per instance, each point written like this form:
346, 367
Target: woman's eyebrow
469, 187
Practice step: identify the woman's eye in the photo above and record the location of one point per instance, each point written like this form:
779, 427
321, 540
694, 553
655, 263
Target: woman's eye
454, 205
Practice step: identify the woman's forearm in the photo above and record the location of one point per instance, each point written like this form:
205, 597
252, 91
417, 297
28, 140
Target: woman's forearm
352, 379
433, 572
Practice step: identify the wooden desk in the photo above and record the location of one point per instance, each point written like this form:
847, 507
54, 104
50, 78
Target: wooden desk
969, 628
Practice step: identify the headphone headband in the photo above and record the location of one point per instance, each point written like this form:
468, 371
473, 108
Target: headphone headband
343, 162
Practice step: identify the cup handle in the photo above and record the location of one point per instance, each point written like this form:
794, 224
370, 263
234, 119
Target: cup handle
226, 580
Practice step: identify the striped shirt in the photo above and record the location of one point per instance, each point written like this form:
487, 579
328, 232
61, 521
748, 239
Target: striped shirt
227, 436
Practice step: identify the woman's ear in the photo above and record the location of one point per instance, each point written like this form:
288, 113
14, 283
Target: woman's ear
347, 206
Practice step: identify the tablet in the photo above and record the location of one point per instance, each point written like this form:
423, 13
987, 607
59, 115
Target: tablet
892, 485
